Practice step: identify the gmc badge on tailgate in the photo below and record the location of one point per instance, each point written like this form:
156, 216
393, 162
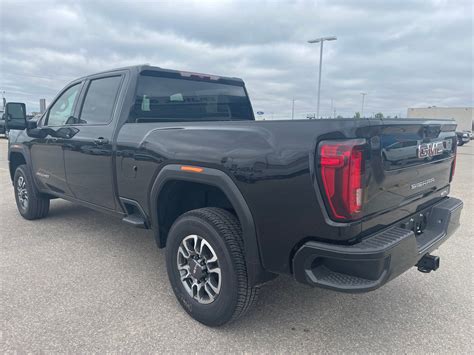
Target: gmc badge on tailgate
427, 150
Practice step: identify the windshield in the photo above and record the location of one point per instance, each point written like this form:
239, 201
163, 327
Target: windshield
183, 99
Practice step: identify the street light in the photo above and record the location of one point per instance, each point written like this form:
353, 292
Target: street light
363, 99
293, 109
318, 40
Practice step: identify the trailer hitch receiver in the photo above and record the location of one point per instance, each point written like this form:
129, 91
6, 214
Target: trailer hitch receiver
428, 263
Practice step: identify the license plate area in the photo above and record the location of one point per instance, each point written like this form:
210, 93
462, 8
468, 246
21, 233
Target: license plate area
434, 223
416, 223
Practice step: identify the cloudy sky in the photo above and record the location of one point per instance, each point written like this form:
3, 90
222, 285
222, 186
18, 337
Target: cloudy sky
401, 53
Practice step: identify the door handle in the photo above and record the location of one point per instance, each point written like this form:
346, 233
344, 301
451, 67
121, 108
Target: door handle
101, 141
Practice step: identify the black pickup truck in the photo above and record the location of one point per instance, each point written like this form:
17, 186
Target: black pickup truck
344, 204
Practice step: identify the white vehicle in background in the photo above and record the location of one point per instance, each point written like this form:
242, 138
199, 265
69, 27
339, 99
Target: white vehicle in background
400, 151
463, 137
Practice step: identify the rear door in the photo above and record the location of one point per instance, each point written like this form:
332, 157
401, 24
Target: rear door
412, 160
88, 152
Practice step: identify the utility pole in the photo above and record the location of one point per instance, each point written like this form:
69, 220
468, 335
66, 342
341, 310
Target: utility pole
320, 40
293, 109
363, 99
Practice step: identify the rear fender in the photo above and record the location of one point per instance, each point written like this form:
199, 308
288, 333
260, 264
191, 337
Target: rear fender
222, 181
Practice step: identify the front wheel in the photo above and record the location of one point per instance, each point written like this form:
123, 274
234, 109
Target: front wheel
29, 201
206, 266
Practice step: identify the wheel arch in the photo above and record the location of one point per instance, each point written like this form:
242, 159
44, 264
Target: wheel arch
15, 158
220, 180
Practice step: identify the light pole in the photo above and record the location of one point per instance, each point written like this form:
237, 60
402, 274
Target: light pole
320, 40
293, 109
363, 99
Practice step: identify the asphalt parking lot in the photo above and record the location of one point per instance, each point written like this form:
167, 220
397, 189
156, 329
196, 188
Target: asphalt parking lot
83, 281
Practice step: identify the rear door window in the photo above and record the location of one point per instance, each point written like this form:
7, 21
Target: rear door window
100, 100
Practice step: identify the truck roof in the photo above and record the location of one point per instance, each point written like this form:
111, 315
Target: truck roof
147, 67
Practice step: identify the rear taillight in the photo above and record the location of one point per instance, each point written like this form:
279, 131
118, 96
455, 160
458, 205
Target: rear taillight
342, 166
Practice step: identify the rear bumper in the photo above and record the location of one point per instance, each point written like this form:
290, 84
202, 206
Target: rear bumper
374, 261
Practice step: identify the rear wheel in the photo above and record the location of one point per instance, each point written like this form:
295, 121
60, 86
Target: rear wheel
206, 266
29, 201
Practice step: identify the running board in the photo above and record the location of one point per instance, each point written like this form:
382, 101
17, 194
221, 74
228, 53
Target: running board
135, 214
135, 220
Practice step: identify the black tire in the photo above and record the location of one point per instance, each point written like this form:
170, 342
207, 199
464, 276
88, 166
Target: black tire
37, 205
221, 229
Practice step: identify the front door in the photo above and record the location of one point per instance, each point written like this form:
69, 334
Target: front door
47, 153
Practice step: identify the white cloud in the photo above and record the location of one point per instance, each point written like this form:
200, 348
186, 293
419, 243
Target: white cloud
402, 54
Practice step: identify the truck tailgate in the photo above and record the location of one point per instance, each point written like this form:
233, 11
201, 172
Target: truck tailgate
410, 160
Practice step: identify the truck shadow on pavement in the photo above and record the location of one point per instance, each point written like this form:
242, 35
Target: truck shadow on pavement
284, 303
124, 260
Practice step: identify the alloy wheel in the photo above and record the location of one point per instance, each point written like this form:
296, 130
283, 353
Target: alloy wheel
22, 192
199, 269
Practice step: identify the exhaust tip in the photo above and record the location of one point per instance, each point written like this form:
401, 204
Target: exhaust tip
428, 263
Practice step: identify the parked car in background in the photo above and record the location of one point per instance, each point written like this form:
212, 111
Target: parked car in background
336, 203
2, 124
463, 137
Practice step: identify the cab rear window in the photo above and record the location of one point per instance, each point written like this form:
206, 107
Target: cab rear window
184, 99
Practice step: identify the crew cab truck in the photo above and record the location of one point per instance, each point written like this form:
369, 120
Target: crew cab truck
237, 201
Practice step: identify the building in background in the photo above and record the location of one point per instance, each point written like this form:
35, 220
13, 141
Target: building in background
42, 105
462, 115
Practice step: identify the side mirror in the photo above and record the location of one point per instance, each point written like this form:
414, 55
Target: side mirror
31, 124
15, 116
32, 129
38, 132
